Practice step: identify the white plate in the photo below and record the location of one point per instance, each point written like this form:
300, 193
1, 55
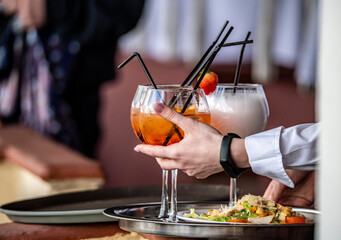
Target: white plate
309, 213
199, 211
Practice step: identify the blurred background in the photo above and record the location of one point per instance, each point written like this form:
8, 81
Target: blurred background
171, 36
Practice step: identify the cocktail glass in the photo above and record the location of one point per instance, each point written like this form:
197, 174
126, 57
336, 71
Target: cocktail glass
241, 109
134, 118
135, 109
158, 131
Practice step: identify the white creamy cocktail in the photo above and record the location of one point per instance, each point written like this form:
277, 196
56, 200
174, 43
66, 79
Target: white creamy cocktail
241, 109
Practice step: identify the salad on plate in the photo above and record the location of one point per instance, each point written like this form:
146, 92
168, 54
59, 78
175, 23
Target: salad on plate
252, 209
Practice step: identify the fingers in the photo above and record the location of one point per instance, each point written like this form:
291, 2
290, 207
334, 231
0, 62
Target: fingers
167, 164
10, 6
32, 13
164, 111
268, 191
297, 201
170, 164
303, 194
274, 190
162, 156
153, 151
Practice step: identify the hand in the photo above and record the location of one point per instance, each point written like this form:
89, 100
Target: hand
10, 6
32, 13
197, 154
302, 195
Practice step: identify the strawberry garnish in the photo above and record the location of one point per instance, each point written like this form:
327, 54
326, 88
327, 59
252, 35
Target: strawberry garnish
209, 82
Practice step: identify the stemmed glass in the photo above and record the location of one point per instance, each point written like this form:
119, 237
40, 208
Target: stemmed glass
158, 131
241, 109
134, 119
135, 109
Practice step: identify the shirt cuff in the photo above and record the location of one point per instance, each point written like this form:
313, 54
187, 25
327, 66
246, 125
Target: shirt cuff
265, 158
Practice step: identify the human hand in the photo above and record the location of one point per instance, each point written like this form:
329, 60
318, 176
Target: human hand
302, 195
197, 154
10, 6
32, 13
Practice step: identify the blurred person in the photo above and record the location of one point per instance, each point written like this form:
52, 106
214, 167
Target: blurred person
54, 57
288, 156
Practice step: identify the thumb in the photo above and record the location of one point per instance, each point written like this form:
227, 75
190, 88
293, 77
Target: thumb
169, 114
274, 190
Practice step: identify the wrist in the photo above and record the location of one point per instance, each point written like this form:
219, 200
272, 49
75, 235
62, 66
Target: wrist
226, 160
238, 153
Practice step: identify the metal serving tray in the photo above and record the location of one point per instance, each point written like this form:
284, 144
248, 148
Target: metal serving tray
142, 218
88, 206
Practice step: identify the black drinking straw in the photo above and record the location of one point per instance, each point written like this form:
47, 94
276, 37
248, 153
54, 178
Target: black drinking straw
224, 45
203, 57
236, 77
136, 54
205, 54
237, 43
206, 64
209, 61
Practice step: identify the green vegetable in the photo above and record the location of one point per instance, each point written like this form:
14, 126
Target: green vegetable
248, 214
243, 214
192, 214
247, 205
221, 219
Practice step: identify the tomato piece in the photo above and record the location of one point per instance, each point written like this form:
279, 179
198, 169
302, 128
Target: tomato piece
238, 220
294, 219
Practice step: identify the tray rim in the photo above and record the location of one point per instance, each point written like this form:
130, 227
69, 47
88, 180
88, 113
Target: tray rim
18, 211
131, 206
50, 213
185, 229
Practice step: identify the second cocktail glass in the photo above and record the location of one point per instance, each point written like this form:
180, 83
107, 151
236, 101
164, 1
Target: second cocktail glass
241, 109
158, 131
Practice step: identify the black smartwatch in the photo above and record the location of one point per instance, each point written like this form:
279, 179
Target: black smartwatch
225, 157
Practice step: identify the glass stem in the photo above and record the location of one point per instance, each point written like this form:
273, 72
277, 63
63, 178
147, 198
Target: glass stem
164, 196
173, 206
233, 191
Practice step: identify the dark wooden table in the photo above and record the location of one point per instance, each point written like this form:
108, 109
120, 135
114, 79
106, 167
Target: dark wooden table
19, 231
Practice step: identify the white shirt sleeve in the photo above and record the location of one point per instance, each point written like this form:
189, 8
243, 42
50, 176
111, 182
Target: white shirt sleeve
271, 152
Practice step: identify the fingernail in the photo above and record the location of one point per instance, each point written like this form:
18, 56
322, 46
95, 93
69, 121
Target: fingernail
136, 149
158, 107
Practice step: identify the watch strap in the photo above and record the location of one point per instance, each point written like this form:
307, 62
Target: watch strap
225, 157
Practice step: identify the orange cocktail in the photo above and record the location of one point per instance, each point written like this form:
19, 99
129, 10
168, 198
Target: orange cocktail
134, 119
156, 129
135, 110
